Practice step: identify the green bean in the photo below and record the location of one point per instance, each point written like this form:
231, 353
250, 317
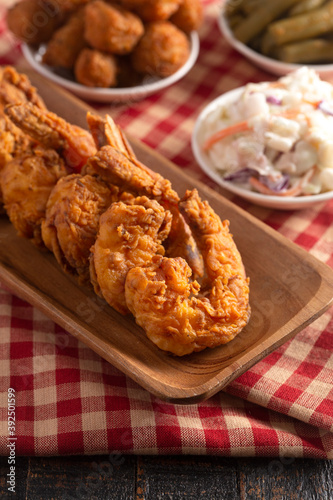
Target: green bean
259, 19
308, 51
305, 6
233, 7
309, 25
251, 6
234, 20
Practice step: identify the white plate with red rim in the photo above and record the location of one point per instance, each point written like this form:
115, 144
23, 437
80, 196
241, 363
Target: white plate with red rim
34, 57
203, 159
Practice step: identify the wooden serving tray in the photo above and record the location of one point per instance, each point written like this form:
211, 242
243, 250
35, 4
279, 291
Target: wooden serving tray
288, 290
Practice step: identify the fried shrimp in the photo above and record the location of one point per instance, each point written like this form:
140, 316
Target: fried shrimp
129, 235
179, 317
106, 133
26, 183
134, 177
14, 88
74, 144
110, 28
71, 220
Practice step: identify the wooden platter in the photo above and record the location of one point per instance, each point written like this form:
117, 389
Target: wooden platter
289, 290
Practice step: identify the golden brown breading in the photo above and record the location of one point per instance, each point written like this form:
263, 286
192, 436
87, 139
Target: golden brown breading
33, 21
73, 143
168, 305
26, 183
162, 50
94, 68
15, 88
65, 7
189, 15
129, 235
110, 28
152, 10
66, 43
71, 220
131, 175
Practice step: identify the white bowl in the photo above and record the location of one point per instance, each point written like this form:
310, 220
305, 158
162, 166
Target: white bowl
34, 58
267, 63
277, 202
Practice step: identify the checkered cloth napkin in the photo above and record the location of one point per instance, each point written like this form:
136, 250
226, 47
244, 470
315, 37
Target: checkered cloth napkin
68, 400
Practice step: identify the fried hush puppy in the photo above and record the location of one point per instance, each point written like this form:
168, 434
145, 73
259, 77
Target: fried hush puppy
152, 10
66, 43
162, 50
94, 68
34, 21
66, 6
110, 28
189, 15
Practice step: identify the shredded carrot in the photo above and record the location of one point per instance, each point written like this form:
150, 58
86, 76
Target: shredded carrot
315, 104
243, 127
293, 191
221, 134
263, 189
289, 113
277, 84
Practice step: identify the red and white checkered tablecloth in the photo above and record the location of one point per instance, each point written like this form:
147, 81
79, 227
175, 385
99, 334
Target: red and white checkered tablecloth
71, 401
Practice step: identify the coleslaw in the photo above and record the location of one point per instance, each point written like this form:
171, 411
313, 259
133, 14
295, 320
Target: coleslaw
277, 138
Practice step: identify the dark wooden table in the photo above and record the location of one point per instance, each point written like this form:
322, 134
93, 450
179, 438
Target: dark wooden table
126, 477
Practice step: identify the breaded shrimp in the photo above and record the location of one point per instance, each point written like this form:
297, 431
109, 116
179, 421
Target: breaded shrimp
111, 28
14, 88
71, 220
26, 183
106, 133
134, 177
129, 235
171, 309
162, 50
73, 143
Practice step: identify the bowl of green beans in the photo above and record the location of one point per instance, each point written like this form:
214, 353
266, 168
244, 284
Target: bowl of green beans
281, 35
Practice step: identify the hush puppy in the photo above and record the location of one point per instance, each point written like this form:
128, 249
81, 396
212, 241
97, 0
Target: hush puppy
110, 28
189, 15
152, 10
162, 50
66, 43
95, 69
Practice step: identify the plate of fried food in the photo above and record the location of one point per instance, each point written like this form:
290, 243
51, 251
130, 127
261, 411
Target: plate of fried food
279, 36
109, 51
270, 142
164, 284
